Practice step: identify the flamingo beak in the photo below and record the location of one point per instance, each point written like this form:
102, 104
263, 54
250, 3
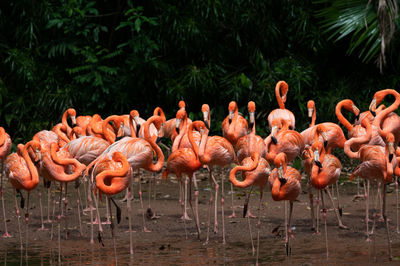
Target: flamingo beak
372, 107
310, 112
323, 134
178, 123
205, 118
230, 116
391, 151
73, 119
251, 120
273, 132
137, 130
38, 155
316, 159
158, 139
281, 178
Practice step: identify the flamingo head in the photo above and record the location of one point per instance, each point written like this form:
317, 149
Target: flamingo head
310, 107
181, 115
307, 153
72, 114
232, 107
252, 109
390, 145
317, 148
182, 104
205, 109
322, 129
280, 162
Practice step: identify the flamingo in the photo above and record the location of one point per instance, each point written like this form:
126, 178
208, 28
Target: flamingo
5, 147
139, 152
185, 161
234, 125
281, 112
22, 174
214, 151
249, 144
288, 141
312, 113
113, 175
181, 126
325, 172
255, 171
307, 157
377, 162
284, 182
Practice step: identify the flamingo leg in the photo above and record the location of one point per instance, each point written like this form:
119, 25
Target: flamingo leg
233, 215
287, 243
26, 226
42, 228
380, 215
251, 235
107, 214
79, 213
59, 238
367, 186
194, 214
311, 196
326, 228
6, 234
100, 233
54, 213
128, 207
184, 207
154, 216
66, 210
215, 203
339, 207
48, 205
90, 200
318, 211
141, 204
210, 180
112, 231
19, 223
259, 225
222, 208
341, 226
397, 204
386, 221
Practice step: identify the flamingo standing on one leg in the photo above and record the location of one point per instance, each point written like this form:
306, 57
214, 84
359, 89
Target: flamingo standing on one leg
255, 171
284, 182
5, 147
283, 113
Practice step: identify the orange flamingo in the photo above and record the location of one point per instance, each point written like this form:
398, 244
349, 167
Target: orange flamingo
307, 157
113, 175
312, 113
168, 129
377, 162
281, 112
181, 126
5, 147
214, 151
255, 171
325, 172
61, 131
234, 125
22, 174
288, 141
185, 161
284, 182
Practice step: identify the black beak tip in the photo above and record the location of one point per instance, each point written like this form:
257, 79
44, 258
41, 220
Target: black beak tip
177, 130
118, 138
251, 125
358, 117
325, 143
73, 125
390, 157
158, 140
207, 125
274, 140
318, 163
230, 120
372, 112
283, 181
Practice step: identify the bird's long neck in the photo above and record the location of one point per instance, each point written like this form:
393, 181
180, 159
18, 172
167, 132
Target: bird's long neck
203, 144
107, 134
342, 119
382, 115
62, 176
313, 117
250, 167
119, 179
2, 136
61, 135
279, 98
159, 112
192, 142
360, 140
65, 122
232, 126
276, 191
32, 169
160, 156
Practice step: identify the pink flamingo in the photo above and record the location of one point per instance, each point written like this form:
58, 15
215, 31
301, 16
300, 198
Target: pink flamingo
5, 147
283, 113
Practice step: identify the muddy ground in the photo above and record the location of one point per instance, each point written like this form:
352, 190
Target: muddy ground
166, 243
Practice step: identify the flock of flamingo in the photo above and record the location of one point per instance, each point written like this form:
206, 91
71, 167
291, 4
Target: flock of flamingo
103, 155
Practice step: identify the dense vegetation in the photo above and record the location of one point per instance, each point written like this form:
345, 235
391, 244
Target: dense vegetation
110, 57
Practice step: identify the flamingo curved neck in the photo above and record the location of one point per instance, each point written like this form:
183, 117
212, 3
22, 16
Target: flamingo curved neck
107, 134
247, 181
56, 160
30, 184
119, 178
385, 112
203, 144
65, 122
2, 136
160, 156
191, 140
278, 94
314, 117
360, 140
276, 192
341, 118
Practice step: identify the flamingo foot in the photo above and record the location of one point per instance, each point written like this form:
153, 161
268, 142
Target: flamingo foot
106, 222
368, 239
48, 221
146, 230
155, 216
233, 215
43, 229
186, 217
133, 231
6, 235
250, 215
342, 226
215, 228
358, 197
88, 209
